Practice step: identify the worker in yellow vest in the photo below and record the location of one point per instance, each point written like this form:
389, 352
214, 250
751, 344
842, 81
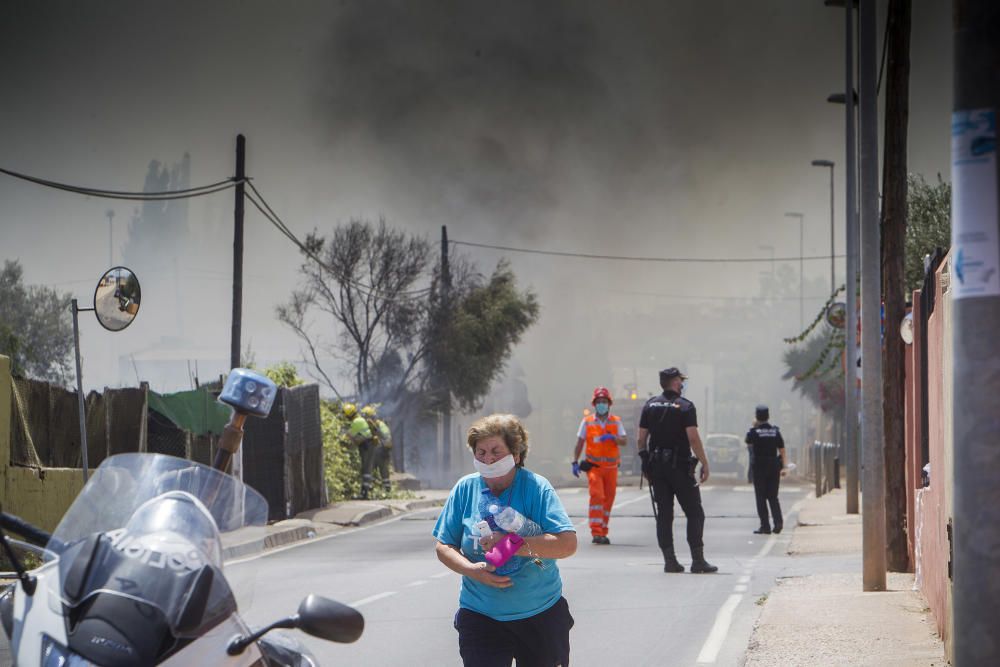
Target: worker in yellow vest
602, 433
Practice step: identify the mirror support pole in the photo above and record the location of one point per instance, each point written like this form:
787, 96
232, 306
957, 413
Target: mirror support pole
79, 390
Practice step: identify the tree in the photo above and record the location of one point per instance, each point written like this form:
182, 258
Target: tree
363, 277
470, 344
816, 370
928, 225
159, 227
36, 330
416, 351
399, 341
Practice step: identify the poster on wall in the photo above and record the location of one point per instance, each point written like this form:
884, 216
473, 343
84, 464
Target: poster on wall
974, 237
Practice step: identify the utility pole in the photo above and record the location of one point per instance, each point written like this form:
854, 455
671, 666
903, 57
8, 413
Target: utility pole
234, 348
873, 499
851, 279
833, 273
975, 297
893, 225
445, 389
80, 400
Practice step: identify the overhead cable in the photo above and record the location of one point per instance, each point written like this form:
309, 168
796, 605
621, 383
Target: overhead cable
625, 258
272, 217
185, 193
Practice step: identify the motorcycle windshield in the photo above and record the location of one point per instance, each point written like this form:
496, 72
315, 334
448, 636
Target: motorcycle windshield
156, 529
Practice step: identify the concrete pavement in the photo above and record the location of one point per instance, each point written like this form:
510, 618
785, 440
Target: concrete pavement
818, 615
823, 617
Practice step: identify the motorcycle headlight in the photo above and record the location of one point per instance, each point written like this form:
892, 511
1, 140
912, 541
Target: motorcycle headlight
55, 654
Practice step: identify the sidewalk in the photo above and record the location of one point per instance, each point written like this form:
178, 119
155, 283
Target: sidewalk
821, 616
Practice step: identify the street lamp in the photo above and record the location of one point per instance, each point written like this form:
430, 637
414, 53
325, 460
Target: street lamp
851, 250
801, 217
829, 163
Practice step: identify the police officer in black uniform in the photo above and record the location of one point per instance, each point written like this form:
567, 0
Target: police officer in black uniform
668, 434
768, 456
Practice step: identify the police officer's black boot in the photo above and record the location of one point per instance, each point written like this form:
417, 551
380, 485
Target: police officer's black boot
670, 562
698, 563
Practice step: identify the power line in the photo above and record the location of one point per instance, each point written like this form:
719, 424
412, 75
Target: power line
272, 217
625, 258
186, 193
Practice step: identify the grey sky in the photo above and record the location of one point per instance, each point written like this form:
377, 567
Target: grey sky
641, 128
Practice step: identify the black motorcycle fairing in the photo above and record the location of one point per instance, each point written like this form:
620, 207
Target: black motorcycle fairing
278, 653
126, 608
120, 631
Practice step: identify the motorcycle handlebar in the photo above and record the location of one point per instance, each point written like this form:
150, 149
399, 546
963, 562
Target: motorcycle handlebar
25, 529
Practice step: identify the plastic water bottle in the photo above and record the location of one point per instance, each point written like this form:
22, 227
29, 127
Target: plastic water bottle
512, 521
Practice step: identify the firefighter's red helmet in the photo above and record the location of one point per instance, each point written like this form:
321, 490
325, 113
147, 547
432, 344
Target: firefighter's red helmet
601, 392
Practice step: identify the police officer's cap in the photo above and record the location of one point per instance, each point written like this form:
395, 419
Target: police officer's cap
670, 373
763, 412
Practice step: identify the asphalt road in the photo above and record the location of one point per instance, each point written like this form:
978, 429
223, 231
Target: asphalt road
627, 610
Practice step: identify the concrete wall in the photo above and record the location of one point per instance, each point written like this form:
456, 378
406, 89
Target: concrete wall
932, 506
38, 496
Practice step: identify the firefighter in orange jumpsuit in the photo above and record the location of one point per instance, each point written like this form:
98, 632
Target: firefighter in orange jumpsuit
602, 433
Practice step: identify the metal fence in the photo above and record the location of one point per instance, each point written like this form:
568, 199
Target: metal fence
824, 466
283, 454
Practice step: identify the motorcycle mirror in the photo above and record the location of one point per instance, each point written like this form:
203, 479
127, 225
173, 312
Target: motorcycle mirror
317, 616
330, 620
116, 298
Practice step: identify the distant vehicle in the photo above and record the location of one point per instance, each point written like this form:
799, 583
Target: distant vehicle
726, 453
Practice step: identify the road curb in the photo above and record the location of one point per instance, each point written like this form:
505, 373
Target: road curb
300, 530
370, 515
424, 503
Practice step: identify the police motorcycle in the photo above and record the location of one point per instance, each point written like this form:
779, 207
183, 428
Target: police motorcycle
133, 575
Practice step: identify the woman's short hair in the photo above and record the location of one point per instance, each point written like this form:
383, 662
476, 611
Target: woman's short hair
508, 427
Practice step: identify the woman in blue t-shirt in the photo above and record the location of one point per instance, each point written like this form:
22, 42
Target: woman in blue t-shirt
521, 613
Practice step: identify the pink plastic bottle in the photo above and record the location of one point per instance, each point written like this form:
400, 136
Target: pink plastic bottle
504, 549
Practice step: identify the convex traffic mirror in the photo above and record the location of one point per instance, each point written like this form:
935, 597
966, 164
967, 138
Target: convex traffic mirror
116, 299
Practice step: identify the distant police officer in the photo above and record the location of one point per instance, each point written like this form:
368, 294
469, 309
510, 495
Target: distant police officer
768, 461
668, 434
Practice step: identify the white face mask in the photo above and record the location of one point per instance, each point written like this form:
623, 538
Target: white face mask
498, 468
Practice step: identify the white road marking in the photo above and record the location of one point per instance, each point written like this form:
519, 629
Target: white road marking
740, 588
629, 502
745, 579
713, 644
418, 582
371, 598
441, 574
766, 547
